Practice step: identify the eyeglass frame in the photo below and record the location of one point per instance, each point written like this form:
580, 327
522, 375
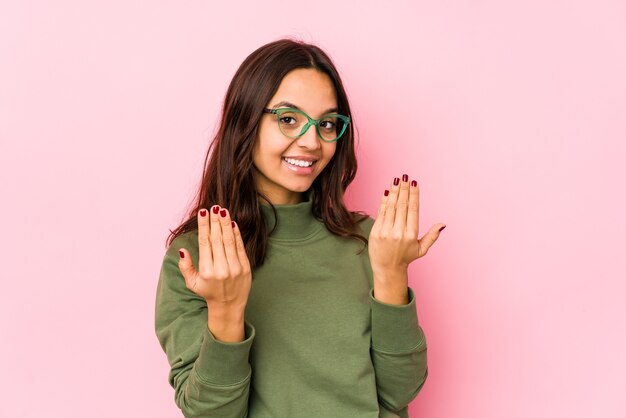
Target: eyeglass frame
278, 111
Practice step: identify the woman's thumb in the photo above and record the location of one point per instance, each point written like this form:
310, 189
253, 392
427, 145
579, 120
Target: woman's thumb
429, 239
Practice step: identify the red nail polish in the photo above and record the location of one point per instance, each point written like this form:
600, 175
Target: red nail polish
182, 254
414, 183
405, 177
223, 213
216, 209
386, 192
232, 223
441, 229
396, 181
203, 213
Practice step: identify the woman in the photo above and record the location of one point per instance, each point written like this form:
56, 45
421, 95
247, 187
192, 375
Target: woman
267, 305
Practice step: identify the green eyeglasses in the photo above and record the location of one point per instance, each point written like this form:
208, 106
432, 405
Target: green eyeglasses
294, 123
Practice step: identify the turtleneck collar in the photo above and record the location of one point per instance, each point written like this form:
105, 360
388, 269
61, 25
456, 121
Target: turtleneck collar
295, 221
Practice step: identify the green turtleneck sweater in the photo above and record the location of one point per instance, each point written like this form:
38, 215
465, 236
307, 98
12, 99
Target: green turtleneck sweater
317, 343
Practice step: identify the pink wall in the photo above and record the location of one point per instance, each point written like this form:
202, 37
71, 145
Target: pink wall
511, 115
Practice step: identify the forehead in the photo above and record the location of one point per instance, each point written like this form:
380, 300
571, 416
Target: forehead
309, 89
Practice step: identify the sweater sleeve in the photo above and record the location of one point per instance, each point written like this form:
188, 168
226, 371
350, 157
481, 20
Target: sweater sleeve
398, 353
398, 348
210, 377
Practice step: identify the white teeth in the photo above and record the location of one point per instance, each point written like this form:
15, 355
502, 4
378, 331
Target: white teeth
298, 162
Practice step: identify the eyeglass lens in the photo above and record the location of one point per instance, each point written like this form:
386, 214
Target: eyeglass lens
292, 124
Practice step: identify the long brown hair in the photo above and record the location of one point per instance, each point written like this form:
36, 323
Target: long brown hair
227, 179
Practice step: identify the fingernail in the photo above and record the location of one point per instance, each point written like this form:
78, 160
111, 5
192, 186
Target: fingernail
232, 223
223, 213
414, 183
386, 192
216, 209
203, 213
441, 229
182, 254
405, 177
396, 181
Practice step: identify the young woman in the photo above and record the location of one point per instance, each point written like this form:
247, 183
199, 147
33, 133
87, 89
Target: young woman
267, 303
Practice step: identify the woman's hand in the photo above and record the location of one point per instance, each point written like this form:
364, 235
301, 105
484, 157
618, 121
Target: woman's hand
224, 275
393, 240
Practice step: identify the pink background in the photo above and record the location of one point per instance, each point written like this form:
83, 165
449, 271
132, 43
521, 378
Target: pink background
511, 115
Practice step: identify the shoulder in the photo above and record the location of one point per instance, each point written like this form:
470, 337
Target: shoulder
365, 223
171, 276
187, 240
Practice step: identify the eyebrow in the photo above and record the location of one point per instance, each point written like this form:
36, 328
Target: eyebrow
288, 104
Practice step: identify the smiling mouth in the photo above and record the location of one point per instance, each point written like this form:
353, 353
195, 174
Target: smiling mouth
299, 165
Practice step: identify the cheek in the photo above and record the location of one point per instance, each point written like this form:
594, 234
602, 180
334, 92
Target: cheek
331, 151
269, 145
329, 154
260, 151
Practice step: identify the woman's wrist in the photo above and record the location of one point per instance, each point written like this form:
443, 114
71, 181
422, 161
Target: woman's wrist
226, 324
391, 286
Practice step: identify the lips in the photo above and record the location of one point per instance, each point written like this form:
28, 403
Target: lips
297, 169
301, 158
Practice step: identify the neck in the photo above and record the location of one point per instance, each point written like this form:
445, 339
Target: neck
288, 199
293, 221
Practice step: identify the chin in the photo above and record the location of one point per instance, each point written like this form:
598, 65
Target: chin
300, 189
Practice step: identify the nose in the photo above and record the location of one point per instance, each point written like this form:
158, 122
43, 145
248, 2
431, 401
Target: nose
310, 139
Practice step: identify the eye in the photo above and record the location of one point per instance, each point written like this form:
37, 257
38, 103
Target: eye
328, 124
285, 120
